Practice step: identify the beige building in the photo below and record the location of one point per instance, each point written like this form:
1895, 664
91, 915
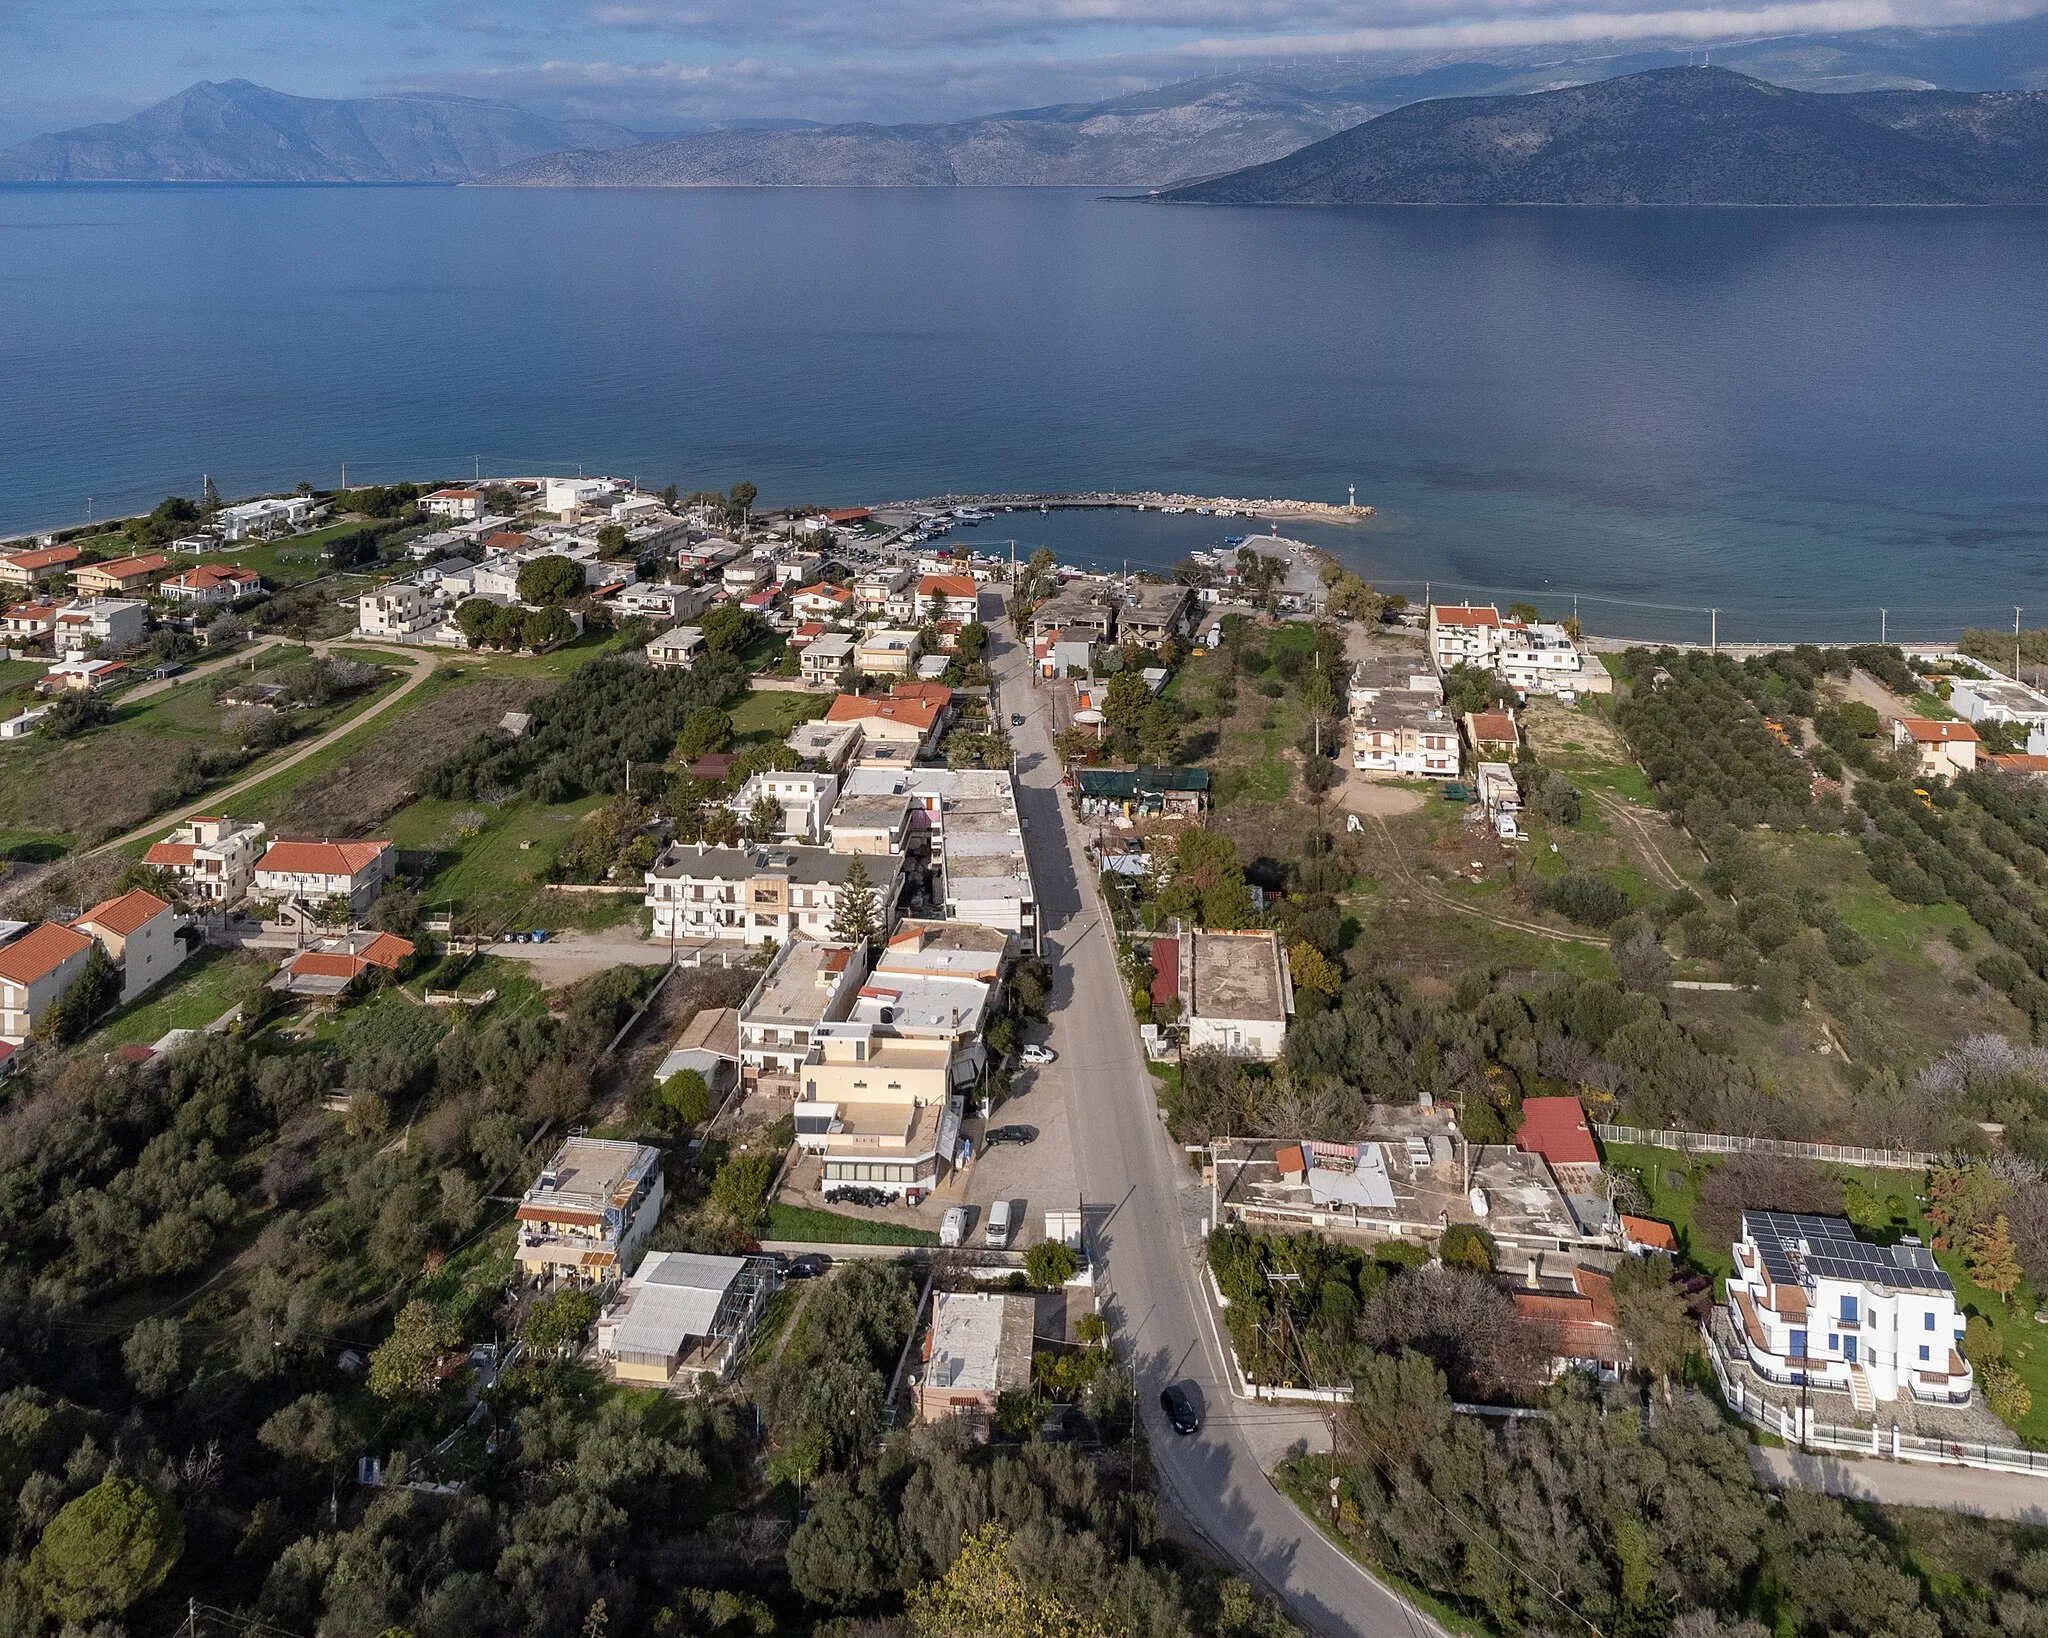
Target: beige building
1945, 748
682, 1317
886, 653
875, 1110
214, 857
678, 649
402, 609
807, 984
752, 894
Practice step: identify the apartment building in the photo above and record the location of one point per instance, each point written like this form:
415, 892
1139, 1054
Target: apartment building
1538, 659
119, 575
104, 625
967, 835
27, 568
307, 873
751, 894
1463, 634
1404, 736
212, 856
1811, 1303
140, 932
807, 984
592, 1208
403, 609
1150, 613
877, 1110
36, 968
937, 981
805, 799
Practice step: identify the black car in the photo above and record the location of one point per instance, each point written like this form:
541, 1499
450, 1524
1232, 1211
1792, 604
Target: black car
1016, 719
1009, 1134
1179, 1406
807, 1267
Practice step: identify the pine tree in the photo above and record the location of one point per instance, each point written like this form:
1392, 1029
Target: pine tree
856, 919
1994, 1264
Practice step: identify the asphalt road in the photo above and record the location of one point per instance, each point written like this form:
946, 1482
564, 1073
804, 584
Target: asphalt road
1130, 1173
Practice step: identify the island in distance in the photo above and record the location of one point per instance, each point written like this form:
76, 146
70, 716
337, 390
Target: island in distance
1671, 136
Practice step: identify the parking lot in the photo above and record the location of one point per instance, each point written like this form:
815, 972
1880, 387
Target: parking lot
1035, 1177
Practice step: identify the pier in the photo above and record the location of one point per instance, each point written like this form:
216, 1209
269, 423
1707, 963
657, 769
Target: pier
1141, 501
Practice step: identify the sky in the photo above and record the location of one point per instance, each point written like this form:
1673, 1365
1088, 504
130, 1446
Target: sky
656, 65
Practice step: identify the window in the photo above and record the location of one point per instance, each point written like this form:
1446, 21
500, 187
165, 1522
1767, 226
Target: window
1834, 1343
1798, 1349
1848, 1310
1927, 1323
1923, 1353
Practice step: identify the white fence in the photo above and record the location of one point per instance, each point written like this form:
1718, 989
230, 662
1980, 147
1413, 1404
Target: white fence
1890, 1445
1723, 1143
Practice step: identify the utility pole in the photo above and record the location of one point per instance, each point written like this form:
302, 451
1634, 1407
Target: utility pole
1883, 624
1714, 631
344, 474
2015, 640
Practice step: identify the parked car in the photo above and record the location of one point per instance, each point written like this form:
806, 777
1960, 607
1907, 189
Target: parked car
807, 1267
1038, 1055
997, 1234
1016, 719
1009, 1134
953, 1226
1179, 1406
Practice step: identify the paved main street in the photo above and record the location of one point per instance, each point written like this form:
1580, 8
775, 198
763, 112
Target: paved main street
1130, 1174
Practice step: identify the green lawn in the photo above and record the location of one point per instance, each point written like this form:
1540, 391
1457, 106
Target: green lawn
202, 990
496, 873
770, 715
808, 1224
16, 673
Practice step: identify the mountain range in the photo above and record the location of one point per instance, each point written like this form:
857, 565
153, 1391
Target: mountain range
1201, 128
1671, 136
239, 132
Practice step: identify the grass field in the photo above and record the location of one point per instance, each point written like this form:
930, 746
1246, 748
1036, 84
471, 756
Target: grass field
202, 990
770, 715
491, 876
809, 1225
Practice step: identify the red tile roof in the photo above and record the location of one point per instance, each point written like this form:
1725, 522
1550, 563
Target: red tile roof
43, 557
125, 914
127, 568
859, 707
937, 694
1647, 1231
1556, 1129
320, 858
2019, 762
1926, 731
320, 964
1165, 970
847, 514
1491, 726
40, 952
948, 585
214, 574
387, 950
1461, 615
170, 854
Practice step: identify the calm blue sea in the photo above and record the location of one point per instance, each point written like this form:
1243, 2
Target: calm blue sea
1796, 416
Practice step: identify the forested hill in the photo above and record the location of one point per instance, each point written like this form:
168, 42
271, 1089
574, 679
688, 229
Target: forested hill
239, 132
1673, 136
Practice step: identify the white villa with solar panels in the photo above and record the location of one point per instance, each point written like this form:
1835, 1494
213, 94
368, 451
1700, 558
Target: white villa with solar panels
1814, 1304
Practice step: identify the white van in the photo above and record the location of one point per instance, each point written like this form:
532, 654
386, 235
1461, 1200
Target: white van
997, 1234
953, 1226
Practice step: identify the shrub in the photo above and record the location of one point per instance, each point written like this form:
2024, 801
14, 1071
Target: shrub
1591, 901
1050, 1264
1468, 1247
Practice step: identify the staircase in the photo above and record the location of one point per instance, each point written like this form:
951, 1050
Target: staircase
1859, 1391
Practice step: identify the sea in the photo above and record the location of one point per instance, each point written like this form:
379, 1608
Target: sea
1768, 425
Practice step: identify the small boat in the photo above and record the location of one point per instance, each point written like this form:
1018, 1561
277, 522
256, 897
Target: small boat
1173, 508
1233, 540
969, 514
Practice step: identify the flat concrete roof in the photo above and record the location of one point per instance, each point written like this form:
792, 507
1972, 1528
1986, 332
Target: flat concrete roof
980, 1342
1237, 975
798, 986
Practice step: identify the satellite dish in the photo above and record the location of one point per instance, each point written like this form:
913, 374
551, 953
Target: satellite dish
1088, 719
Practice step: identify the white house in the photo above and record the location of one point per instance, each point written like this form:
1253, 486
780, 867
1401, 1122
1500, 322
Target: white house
262, 516
752, 894
35, 971
462, 505
2000, 699
1812, 1303
1237, 992
805, 799
1461, 634
1945, 748
825, 657
309, 872
402, 609
677, 649
101, 624
1537, 659
210, 583
140, 932
822, 602
214, 857
571, 494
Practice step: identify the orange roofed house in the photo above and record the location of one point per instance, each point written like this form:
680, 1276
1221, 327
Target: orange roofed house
35, 970
26, 568
1584, 1325
913, 715
307, 872
331, 965
959, 598
140, 932
1557, 1129
1945, 749
123, 574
